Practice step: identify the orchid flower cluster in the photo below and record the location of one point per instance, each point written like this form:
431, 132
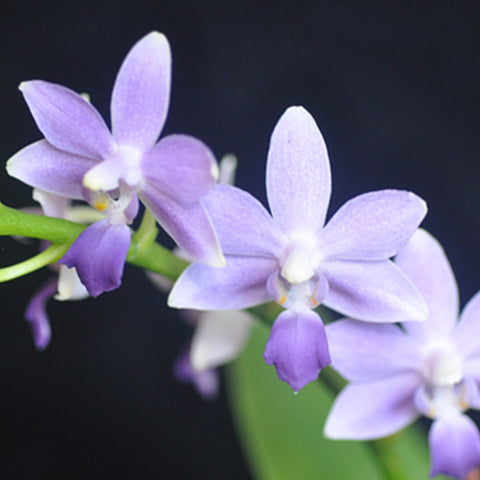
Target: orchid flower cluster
402, 347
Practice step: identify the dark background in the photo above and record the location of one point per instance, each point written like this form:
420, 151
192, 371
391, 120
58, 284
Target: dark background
395, 91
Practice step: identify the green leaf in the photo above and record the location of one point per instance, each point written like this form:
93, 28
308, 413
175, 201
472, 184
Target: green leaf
281, 433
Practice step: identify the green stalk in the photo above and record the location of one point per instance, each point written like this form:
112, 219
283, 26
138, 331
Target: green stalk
51, 255
143, 252
55, 230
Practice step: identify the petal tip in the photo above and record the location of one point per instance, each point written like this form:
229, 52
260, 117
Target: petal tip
28, 85
174, 299
10, 166
156, 40
422, 202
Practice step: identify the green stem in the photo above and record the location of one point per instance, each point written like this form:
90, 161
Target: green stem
389, 459
51, 255
147, 232
56, 230
143, 252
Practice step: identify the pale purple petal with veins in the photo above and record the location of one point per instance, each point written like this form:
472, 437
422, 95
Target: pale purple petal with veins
454, 446
363, 352
426, 264
98, 255
190, 227
240, 284
42, 166
242, 223
372, 291
298, 173
68, 121
467, 333
182, 167
142, 92
372, 226
363, 411
298, 347
36, 314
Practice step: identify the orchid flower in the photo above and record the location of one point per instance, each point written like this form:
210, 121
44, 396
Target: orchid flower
398, 373
291, 258
80, 159
219, 336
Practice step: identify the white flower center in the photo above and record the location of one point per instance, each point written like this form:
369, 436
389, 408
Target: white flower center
124, 165
297, 267
442, 366
297, 284
445, 389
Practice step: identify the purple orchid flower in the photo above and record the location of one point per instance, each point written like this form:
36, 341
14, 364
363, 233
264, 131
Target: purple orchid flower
400, 372
296, 261
79, 154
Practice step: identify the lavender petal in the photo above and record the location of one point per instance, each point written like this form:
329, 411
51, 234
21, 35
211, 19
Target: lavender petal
454, 446
98, 255
372, 226
234, 212
298, 173
45, 167
467, 332
68, 121
141, 93
205, 381
238, 285
364, 352
427, 266
371, 410
373, 292
36, 315
297, 347
181, 167
190, 227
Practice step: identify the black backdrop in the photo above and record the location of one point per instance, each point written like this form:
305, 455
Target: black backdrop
395, 92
